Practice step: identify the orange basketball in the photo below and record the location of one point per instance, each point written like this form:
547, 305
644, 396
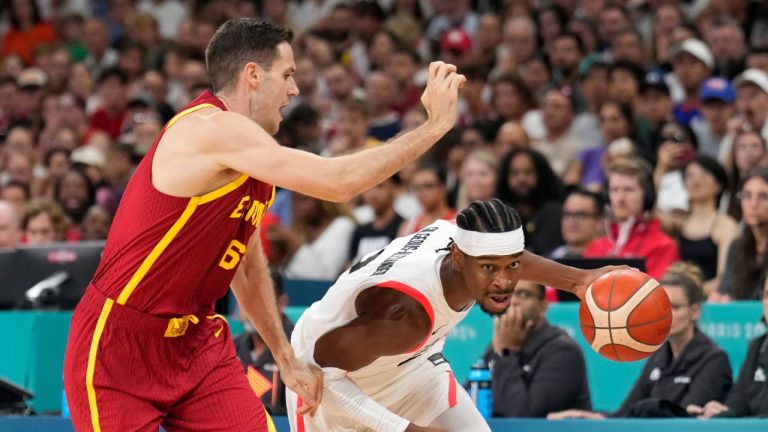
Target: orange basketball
625, 315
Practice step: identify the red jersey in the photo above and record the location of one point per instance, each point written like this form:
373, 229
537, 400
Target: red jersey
169, 255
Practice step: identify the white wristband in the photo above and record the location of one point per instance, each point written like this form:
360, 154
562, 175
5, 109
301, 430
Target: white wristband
344, 397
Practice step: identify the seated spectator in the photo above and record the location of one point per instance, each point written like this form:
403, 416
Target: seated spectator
688, 368
257, 359
536, 368
10, 234
113, 92
678, 147
477, 179
96, 223
527, 183
429, 185
749, 147
745, 266
634, 232
75, 194
44, 222
383, 228
316, 246
17, 194
705, 235
582, 222
749, 395
560, 144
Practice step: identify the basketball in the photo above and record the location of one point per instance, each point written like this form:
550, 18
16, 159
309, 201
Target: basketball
625, 315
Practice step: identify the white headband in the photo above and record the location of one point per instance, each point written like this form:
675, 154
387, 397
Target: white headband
475, 243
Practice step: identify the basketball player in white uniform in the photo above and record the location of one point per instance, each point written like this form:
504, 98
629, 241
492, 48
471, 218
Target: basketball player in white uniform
379, 331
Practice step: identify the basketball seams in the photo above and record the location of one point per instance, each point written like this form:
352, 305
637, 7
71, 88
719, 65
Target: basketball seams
627, 326
610, 309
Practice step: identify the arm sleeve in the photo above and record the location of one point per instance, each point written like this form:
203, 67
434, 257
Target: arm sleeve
712, 381
344, 398
556, 384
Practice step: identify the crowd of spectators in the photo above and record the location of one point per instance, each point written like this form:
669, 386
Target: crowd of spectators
616, 128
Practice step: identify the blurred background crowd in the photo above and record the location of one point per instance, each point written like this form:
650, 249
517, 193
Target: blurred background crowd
632, 128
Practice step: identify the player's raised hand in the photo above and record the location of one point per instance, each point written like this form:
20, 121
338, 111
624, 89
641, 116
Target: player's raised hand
304, 379
440, 98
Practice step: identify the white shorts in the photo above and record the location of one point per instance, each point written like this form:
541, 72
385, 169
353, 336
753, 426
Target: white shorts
420, 396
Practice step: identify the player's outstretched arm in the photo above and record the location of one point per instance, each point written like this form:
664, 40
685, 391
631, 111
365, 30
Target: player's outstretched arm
253, 289
550, 273
236, 143
388, 323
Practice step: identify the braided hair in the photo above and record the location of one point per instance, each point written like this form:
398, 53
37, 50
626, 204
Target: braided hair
491, 216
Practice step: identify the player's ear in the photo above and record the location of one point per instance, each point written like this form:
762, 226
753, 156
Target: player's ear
252, 74
457, 257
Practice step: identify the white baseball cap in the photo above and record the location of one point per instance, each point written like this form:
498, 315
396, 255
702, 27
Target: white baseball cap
754, 76
698, 49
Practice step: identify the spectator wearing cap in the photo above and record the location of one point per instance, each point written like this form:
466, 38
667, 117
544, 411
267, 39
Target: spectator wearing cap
31, 82
752, 100
456, 47
113, 94
560, 145
716, 97
692, 63
656, 107
27, 31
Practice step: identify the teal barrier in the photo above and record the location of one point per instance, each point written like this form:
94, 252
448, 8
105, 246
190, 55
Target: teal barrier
57, 424
33, 344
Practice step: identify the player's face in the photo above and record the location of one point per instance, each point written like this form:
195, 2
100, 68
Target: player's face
276, 88
491, 280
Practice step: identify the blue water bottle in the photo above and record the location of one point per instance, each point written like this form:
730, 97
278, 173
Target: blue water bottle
480, 388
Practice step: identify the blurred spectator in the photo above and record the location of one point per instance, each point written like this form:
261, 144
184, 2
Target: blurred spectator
31, 83
56, 164
511, 99
757, 58
44, 222
17, 194
655, 106
745, 267
254, 354
687, 369
96, 223
752, 100
111, 114
716, 97
100, 55
529, 359
520, 41
75, 194
317, 245
428, 184
378, 233
613, 19
301, 129
583, 220
566, 54
587, 168
705, 234
594, 90
478, 177
560, 144
10, 234
747, 397
487, 40
19, 167
628, 46
168, 13
27, 31
537, 74
692, 63
452, 14
351, 129
403, 68
528, 184
729, 48
678, 147
749, 148
633, 231
57, 70
511, 136
383, 121
9, 92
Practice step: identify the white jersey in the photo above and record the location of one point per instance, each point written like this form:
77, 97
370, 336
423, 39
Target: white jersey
408, 264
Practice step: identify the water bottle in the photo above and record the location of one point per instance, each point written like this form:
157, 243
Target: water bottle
480, 388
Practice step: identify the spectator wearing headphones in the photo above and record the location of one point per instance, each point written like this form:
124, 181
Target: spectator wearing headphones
633, 231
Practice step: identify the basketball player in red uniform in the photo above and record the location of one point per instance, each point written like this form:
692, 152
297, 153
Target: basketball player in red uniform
145, 347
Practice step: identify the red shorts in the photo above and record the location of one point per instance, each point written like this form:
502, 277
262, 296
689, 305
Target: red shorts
122, 373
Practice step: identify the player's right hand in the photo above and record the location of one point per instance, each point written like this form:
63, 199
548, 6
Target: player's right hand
413, 428
440, 98
306, 381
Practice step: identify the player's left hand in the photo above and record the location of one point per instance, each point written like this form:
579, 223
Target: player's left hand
306, 380
591, 275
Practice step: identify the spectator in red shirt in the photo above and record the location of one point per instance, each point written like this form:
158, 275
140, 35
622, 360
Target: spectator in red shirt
27, 31
634, 232
113, 91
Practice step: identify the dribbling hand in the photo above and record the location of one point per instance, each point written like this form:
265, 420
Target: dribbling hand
440, 98
306, 381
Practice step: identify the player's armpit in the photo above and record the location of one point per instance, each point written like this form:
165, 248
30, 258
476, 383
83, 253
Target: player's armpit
389, 322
